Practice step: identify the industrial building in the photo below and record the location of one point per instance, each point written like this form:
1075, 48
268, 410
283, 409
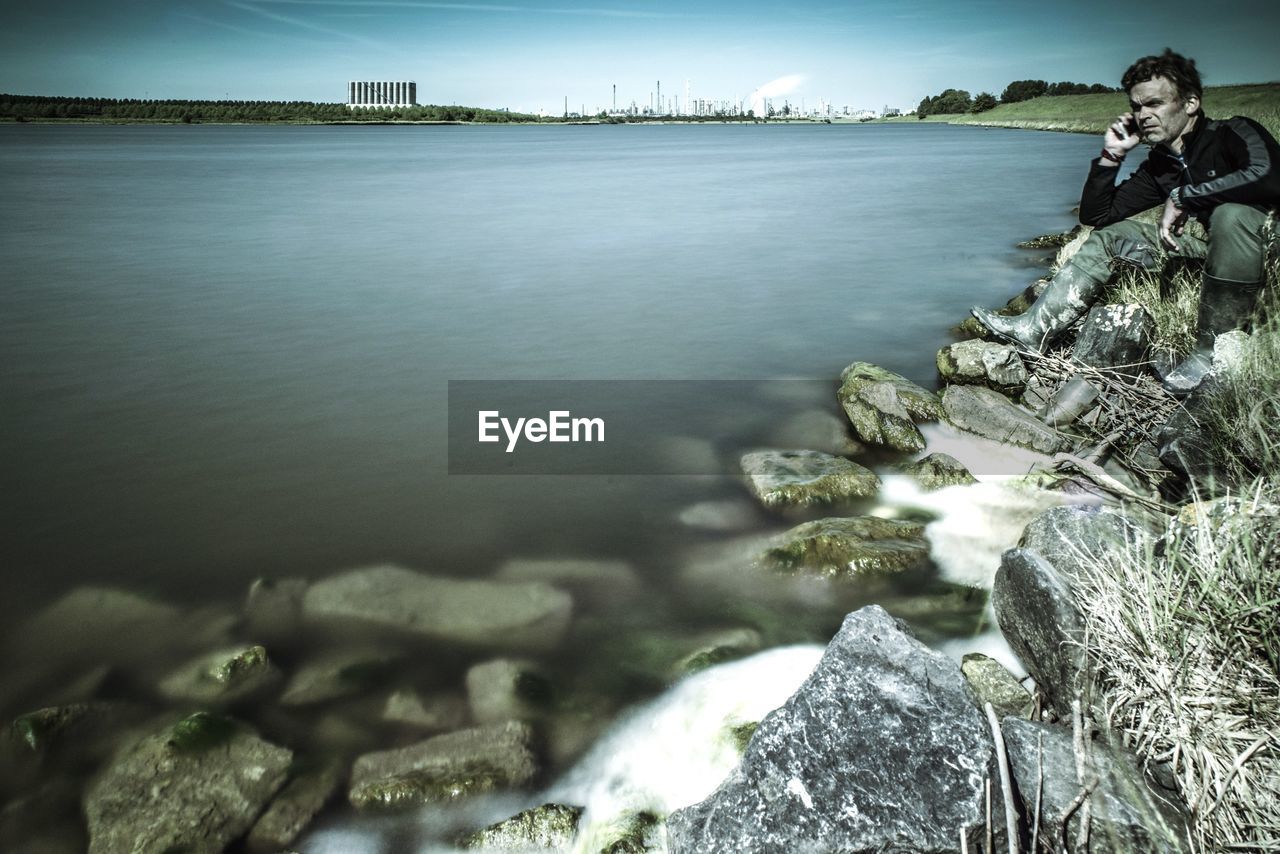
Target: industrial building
385, 93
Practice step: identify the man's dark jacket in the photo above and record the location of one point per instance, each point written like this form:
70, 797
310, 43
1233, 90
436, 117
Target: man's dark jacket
1233, 160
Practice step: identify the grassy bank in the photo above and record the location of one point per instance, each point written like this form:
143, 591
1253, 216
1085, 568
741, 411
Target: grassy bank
1092, 113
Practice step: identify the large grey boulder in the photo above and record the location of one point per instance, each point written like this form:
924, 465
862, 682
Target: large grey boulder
977, 362
446, 767
1072, 538
1126, 812
853, 546
881, 749
196, 787
1116, 336
805, 478
993, 416
524, 615
1038, 616
883, 407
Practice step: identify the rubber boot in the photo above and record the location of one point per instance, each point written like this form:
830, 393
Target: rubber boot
1224, 306
1063, 302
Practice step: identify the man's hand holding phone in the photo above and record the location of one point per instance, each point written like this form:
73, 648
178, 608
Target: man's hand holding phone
1121, 137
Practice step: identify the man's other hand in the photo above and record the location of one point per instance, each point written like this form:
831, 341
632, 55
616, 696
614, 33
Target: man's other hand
1172, 221
1121, 137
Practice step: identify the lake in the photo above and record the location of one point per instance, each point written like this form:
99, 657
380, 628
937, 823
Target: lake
226, 352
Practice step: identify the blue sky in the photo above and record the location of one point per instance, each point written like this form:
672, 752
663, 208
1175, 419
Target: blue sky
531, 54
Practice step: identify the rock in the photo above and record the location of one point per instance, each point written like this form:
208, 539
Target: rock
1072, 537
860, 545
993, 416
817, 430
717, 647
294, 808
938, 471
635, 832
992, 683
528, 615
883, 406
222, 677
46, 729
1231, 351
986, 363
805, 478
727, 516
508, 690
550, 826
194, 788
445, 767
1184, 440
882, 748
1116, 336
435, 712
1038, 616
1036, 394
1126, 813
1050, 241
589, 578
339, 674
273, 608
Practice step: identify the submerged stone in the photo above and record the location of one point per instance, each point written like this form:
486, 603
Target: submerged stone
550, 826
226, 676
487, 613
159, 797
433, 712
506, 690
339, 674
804, 478
445, 767
859, 545
294, 808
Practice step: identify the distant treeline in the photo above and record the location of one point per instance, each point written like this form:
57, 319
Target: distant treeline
953, 101
25, 107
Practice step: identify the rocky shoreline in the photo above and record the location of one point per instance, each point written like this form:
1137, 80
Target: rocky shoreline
887, 745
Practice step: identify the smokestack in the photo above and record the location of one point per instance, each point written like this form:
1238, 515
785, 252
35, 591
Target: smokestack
566, 106
659, 96
615, 97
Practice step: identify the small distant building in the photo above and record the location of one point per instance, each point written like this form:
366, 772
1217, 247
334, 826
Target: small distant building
385, 93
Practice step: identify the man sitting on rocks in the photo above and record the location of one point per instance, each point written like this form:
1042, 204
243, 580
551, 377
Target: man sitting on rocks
1226, 174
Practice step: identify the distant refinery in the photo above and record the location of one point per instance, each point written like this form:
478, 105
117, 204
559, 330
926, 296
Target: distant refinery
760, 103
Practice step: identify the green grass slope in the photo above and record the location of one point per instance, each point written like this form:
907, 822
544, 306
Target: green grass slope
1092, 113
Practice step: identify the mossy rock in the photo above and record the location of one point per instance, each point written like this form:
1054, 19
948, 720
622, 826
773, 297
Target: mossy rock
1055, 240
38, 731
548, 826
201, 731
938, 471
422, 787
805, 478
741, 734
226, 676
635, 834
992, 683
921, 404
857, 546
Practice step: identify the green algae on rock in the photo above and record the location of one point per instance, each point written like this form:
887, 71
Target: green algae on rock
551, 826
883, 407
860, 545
805, 478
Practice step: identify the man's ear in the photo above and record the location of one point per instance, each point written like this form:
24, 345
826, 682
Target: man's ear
1191, 105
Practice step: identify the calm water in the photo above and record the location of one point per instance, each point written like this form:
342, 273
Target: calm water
224, 351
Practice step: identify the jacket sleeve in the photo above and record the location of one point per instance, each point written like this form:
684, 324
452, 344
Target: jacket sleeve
1256, 181
1103, 202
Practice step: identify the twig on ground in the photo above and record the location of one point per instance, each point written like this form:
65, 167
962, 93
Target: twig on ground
1002, 758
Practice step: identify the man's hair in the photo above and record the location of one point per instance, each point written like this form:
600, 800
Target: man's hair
1172, 66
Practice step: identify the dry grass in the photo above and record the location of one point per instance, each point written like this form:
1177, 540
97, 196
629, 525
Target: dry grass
1185, 648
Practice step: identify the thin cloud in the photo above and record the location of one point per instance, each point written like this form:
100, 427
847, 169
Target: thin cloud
483, 8
306, 25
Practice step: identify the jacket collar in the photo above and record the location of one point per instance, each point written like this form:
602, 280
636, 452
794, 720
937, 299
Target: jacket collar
1190, 143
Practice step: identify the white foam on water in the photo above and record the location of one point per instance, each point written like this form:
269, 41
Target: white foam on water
675, 750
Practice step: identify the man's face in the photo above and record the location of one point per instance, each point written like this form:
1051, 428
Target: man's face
1161, 115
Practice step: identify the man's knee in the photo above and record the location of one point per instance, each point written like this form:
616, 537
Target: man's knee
1129, 241
1230, 218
